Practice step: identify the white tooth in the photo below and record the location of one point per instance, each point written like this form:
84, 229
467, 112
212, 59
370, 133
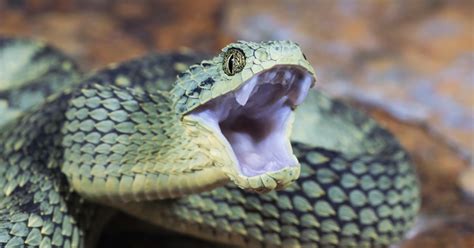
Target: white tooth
271, 76
288, 75
289, 81
242, 95
298, 94
268, 77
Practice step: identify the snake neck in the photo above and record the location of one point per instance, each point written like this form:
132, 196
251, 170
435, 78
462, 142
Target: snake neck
123, 146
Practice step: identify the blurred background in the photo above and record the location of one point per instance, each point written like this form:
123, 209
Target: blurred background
407, 63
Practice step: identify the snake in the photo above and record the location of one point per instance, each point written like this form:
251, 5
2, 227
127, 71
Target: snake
237, 149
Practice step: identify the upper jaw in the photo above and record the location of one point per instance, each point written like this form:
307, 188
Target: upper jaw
294, 81
254, 122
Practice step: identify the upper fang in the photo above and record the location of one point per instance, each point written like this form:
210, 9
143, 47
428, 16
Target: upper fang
243, 94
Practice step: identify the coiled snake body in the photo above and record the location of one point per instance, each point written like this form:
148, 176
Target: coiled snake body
127, 138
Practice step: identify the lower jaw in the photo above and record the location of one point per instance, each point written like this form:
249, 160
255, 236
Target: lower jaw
269, 181
270, 154
227, 162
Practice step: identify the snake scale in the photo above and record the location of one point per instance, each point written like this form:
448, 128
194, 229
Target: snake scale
196, 146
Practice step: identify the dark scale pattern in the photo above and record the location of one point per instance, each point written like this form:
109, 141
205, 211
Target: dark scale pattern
357, 132
337, 202
51, 72
119, 125
368, 198
351, 199
36, 206
111, 134
151, 73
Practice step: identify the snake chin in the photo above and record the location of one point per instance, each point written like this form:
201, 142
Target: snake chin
255, 120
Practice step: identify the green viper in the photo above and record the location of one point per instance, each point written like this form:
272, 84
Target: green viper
192, 146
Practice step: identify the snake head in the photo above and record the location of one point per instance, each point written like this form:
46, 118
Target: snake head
244, 98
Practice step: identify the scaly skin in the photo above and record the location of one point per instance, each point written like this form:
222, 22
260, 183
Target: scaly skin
353, 192
366, 197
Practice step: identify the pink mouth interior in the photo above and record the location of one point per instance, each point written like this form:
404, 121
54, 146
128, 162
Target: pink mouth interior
254, 118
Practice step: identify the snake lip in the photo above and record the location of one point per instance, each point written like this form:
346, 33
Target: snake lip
255, 119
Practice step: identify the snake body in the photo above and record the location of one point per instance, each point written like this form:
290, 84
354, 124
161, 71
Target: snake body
74, 146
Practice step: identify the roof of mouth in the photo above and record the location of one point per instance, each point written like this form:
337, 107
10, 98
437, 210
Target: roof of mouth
254, 118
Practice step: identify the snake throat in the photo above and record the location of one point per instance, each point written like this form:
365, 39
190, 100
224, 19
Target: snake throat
255, 120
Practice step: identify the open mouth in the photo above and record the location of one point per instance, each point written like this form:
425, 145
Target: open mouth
255, 118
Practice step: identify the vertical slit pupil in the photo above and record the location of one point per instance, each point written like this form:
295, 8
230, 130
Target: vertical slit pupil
231, 63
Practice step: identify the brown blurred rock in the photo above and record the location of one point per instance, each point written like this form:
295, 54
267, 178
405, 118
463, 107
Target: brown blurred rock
466, 183
132, 10
91, 38
438, 50
444, 234
191, 24
433, 42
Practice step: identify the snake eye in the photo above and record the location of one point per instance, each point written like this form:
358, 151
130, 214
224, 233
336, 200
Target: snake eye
234, 61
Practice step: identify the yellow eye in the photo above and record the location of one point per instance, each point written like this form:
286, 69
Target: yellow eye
234, 61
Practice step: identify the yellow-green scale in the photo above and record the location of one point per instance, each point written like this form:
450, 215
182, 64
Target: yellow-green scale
357, 187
